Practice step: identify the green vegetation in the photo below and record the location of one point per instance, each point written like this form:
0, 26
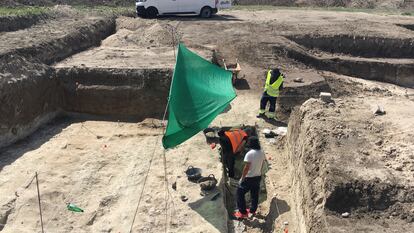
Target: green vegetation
130, 10
29, 10
113, 10
408, 13
339, 9
22, 11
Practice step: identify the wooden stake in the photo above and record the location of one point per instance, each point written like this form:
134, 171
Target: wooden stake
40, 206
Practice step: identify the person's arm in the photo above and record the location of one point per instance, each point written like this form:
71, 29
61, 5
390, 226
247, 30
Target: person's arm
245, 170
247, 163
265, 86
241, 146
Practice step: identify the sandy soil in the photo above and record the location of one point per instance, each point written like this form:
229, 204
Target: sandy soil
354, 161
101, 165
105, 176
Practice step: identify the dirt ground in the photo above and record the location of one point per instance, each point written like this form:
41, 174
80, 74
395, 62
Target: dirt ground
389, 4
331, 150
100, 177
346, 156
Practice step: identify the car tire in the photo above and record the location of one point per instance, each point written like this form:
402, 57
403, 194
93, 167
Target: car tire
206, 12
151, 12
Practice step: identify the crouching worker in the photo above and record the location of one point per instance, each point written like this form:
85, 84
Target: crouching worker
250, 180
232, 143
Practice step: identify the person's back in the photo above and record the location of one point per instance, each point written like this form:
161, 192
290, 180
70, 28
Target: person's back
229, 150
225, 143
250, 180
256, 159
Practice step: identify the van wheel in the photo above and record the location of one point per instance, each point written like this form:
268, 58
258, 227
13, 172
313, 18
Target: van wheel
151, 12
206, 12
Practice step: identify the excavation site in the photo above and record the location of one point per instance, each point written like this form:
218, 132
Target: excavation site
87, 101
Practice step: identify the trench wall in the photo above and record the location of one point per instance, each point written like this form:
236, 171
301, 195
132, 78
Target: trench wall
122, 93
389, 72
28, 99
30, 92
57, 49
322, 186
294, 95
14, 23
362, 46
407, 26
307, 171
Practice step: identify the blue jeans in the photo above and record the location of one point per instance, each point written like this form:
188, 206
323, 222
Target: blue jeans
267, 98
251, 184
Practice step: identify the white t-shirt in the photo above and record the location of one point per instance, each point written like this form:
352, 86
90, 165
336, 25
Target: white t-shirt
256, 159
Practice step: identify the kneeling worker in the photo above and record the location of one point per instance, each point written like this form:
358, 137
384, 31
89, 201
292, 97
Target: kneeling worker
232, 142
250, 180
274, 83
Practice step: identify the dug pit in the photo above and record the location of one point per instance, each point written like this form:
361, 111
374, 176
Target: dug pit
310, 181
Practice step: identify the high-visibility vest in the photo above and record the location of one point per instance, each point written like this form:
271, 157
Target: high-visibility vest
273, 89
236, 137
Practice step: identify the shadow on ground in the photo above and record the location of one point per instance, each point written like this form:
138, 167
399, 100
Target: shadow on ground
13, 152
242, 84
266, 223
227, 109
274, 122
207, 207
220, 17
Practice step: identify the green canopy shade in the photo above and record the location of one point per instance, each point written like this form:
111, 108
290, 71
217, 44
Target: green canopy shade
199, 92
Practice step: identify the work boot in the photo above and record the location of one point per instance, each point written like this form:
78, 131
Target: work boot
250, 212
240, 215
261, 114
271, 115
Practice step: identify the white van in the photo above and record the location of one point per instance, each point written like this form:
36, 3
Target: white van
204, 8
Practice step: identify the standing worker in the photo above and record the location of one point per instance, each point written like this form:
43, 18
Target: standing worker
274, 83
250, 180
232, 142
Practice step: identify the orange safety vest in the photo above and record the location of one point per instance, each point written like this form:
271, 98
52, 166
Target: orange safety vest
236, 137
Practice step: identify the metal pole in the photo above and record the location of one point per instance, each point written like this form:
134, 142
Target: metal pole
40, 206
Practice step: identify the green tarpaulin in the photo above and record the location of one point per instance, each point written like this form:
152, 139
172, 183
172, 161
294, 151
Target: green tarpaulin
199, 92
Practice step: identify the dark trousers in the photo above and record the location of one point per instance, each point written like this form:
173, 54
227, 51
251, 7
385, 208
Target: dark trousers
267, 98
230, 160
251, 184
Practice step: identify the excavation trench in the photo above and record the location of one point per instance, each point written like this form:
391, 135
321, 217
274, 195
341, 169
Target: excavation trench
135, 86
360, 46
324, 183
31, 99
14, 23
123, 94
229, 185
407, 26
390, 70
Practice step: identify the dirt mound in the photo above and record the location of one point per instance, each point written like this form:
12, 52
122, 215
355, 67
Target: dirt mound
342, 154
154, 35
29, 97
14, 23
333, 3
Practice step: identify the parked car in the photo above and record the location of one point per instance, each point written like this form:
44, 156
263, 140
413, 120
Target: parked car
203, 8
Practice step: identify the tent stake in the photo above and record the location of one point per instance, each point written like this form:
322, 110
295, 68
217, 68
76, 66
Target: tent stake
40, 206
